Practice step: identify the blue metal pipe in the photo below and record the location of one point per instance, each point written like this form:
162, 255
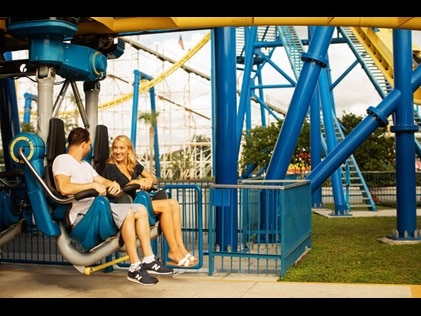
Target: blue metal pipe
138, 76
226, 153
29, 97
155, 134
315, 143
332, 142
314, 60
244, 103
136, 83
377, 117
405, 140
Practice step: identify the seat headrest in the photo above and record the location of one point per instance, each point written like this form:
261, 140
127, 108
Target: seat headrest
56, 139
101, 147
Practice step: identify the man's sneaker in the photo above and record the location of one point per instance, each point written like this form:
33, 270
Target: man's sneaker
141, 276
156, 267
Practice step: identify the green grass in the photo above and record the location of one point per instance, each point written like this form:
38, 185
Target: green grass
348, 250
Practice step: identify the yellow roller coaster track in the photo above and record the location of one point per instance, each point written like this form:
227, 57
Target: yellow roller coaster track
378, 43
146, 85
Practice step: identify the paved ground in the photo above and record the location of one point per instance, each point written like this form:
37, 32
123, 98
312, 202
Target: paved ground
42, 281
46, 281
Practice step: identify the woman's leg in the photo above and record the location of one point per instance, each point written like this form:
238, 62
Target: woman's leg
176, 221
171, 227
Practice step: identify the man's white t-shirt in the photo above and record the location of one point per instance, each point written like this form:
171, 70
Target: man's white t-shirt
79, 172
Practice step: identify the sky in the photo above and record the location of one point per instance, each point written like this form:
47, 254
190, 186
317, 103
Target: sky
187, 110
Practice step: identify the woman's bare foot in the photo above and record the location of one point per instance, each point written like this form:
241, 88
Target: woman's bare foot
184, 262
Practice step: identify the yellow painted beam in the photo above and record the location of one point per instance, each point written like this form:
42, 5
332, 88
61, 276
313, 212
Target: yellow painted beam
119, 25
379, 44
110, 25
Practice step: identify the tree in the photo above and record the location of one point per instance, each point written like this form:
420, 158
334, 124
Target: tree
377, 152
151, 119
28, 127
259, 144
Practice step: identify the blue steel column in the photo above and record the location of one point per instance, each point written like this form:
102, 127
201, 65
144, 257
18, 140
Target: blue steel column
405, 140
332, 141
244, 103
226, 153
376, 117
155, 134
315, 134
135, 104
315, 143
314, 60
138, 76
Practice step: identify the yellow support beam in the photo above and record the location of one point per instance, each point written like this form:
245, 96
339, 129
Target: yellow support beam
120, 25
379, 44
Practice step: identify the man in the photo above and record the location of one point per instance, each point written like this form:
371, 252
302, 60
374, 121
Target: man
72, 174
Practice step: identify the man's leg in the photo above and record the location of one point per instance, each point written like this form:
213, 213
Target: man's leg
143, 231
128, 234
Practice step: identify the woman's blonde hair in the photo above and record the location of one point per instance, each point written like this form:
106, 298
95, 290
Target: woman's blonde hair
131, 157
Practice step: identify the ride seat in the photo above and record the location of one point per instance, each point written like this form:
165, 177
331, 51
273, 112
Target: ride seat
97, 225
12, 219
101, 154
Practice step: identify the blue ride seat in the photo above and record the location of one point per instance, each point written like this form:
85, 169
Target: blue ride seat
98, 224
12, 220
144, 198
101, 154
9, 213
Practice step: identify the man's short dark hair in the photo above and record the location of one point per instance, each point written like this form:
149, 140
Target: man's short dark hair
78, 135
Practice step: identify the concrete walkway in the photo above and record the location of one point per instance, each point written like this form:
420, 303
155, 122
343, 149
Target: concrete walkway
45, 281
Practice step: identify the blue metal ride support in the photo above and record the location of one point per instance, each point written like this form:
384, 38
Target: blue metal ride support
404, 129
72, 61
315, 143
29, 97
314, 60
226, 153
33, 148
244, 103
135, 107
155, 134
331, 140
138, 76
9, 116
315, 135
376, 117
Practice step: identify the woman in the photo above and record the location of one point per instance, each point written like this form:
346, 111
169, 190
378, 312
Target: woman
123, 168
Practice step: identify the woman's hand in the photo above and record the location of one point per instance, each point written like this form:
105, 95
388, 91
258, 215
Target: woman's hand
145, 183
114, 188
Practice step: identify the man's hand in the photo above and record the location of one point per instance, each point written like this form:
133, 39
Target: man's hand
101, 189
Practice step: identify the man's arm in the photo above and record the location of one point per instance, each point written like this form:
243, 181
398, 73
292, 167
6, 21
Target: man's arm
112, 186
65, 187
